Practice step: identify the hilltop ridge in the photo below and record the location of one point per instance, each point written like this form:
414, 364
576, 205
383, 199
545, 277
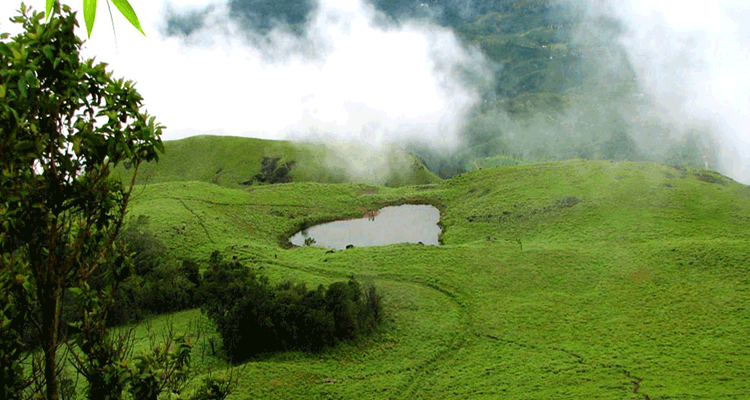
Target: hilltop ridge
230, 161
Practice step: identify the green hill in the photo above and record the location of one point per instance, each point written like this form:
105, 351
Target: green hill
229, 161
577, 279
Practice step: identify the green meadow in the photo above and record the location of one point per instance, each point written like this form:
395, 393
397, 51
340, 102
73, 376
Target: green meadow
565, 280
229, 161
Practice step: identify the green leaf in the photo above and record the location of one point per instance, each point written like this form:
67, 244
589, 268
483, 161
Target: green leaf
47, 50
30, 78
22, 86
129, 14
2, 91
89, 14
49, 9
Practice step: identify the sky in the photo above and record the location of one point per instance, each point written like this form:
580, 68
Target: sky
351, 77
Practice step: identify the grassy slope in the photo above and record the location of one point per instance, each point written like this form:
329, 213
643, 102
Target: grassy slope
628, 273
227, 161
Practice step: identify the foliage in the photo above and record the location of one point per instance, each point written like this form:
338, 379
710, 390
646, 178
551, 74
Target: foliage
620, 147
98, 356
167, 289
690, 151
89, 13
271, 172
251, 316
15, 298
189, 269
65, 123
154, 285
126, 303
164, 368
158, 284
214, 388
146, 250
103, 358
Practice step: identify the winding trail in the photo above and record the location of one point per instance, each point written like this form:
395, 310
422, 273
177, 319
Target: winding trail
200, 220
426, 366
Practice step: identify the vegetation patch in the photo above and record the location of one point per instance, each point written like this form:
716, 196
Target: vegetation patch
271, 172
252, 316
710, 177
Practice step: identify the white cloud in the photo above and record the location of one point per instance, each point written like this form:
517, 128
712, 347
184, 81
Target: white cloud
366, 82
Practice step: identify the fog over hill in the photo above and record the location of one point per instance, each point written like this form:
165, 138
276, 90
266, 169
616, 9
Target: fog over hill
538, 79
694, 61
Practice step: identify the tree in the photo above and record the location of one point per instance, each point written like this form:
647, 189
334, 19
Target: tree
239, 299
620, 146
64, 124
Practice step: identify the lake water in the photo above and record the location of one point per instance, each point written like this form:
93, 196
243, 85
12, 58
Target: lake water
398, 224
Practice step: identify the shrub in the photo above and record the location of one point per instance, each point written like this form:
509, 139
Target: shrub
125, 306
272, 172
189, 270
166, 289
158, 285
213, 388
252, 316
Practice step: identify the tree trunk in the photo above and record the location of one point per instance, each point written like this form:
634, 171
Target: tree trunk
50, 377
50, 303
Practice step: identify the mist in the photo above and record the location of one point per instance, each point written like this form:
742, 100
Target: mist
349, 74
331, 71
694, 61
640, 80
623, 80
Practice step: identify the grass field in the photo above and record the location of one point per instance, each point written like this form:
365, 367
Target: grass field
228, 161
577, 279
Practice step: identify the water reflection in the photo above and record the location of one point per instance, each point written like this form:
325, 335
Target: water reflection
399, 224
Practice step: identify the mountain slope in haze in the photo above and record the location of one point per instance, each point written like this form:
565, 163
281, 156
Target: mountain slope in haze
231, 161
575, 279
563, 88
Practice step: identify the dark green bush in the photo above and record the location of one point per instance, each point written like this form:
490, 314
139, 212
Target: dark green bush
272, 172
154, 285
253, 316
166, 289
189, 270
125, 307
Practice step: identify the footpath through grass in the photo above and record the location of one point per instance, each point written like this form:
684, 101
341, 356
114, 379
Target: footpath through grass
579, 279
